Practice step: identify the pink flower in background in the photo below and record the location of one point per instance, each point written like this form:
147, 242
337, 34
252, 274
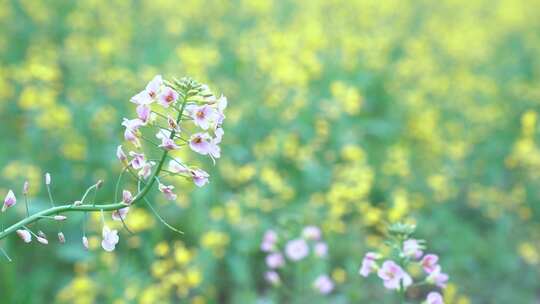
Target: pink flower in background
175, 166
369, 264
132, 124
311, 233
437, 277
24, 235
269, 241
275, 260
168, 191
434, 298
127, 197
412, 248
202, 116
296, 249
120, 214
321, 249
120, 154
167, 97
143, 112
9, 201
323, 284
110, 239
146, 170
393, 275
272, 277
200, 177
429, 262
138, 160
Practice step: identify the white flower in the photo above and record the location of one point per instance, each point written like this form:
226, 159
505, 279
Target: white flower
24, 235
110, 239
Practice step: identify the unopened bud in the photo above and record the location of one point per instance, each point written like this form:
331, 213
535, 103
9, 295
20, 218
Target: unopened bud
60, 218
127, 198
25, 188
24, 235
42, 234
99, 184
42, 240
85, 242
77, 203
61, 238
47, 178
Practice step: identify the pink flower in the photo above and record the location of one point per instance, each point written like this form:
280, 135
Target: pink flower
138, 160
24, 235
369, 264
132, 124
175, 166
9, 201
168, 191
200, 177
296, 249
110, 239
127, 197
167, 97
412, 248
143, 112
168, 144
393, 276
200, 143
219, 135
154, 85
311, 233
429, 262
120, 214
47, 178
147, 95
85, 242
146, 170
272, 277
202, 116
120, 154
321, 249
434, 298
275, 260
269, 241
323, 284
437, 277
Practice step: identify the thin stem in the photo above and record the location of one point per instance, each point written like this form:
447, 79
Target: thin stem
5, 254
160, 218
26, 204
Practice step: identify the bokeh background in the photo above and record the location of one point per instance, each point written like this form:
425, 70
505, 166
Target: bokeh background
343, 114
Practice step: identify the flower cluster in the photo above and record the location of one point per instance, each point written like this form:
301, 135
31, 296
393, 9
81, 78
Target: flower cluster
405, 252
179, 113
295, 250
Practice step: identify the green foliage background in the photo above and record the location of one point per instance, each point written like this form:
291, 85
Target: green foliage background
343, 114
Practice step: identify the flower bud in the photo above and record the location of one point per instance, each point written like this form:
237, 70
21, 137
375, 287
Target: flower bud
25, 188
9, 201
60, 218
85, 242
99, 184
47, 178
24, 235
120, 154
61, 238
77, 203
42, 240
42, 234
127, 198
